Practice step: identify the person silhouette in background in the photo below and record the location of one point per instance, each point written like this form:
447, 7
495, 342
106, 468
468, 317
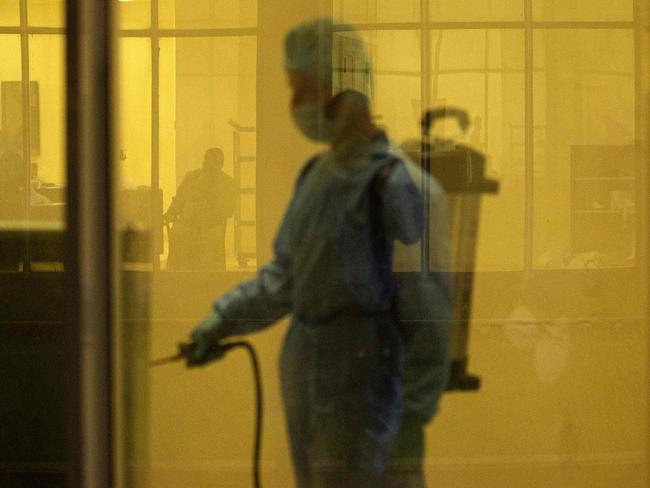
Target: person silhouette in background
198, 214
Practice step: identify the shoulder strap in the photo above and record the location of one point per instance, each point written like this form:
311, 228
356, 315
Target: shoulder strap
306, 169
375, 190
380, 178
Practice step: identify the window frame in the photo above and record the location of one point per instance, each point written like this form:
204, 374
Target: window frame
155, 33
529, 26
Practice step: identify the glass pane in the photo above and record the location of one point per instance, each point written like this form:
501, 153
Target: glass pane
46, 13
133, 14
137, 238
476, 10
481, 71
13, 178
247, 175
207, 14
10, 68
583, 10
247, 208
377, 11
134, 91
505, 50
9, 13
48, 135
33, 325
134, 149
395, 58
570, 347
459, 50
585, 168
207, 100
48, 159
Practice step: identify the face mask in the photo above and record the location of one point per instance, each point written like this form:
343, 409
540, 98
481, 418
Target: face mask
311, 121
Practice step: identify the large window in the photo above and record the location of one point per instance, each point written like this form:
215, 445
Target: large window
185, 77
547, 86
498, 61
33, 165
32, 134
187, 83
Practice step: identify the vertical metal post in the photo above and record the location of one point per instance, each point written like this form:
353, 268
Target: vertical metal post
89, 242
642, 128
237, 174
155, 219
642, 139
259, 106
71, 265
529, 171
425, 97
486, 93
425, 55
26, 128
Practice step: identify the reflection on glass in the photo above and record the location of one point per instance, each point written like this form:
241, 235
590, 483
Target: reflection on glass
559, 344
585, 200
207, 14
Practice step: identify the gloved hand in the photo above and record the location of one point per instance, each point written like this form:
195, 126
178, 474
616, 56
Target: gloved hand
205, 337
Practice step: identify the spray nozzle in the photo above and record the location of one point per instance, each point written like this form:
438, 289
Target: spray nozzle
186, 352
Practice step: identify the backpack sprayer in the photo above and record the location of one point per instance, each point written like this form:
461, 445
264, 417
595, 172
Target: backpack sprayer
186, 353
460, 170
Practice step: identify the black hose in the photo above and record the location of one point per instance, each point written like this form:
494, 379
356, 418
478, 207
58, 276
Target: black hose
186, 351
259, 406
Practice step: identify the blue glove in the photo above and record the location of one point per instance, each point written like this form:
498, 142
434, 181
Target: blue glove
205, 337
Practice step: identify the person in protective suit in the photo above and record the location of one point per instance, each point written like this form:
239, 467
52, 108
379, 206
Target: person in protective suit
342, 356
198, 214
